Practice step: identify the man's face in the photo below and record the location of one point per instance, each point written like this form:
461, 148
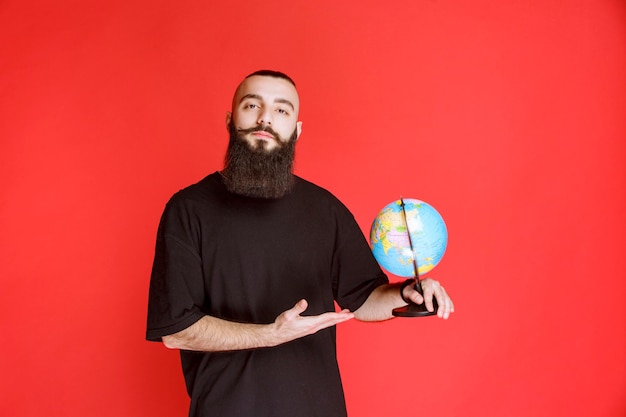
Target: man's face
265, 112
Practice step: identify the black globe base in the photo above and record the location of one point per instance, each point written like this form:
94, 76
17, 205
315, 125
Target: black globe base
415, 310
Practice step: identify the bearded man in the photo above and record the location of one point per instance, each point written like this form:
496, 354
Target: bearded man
248, 265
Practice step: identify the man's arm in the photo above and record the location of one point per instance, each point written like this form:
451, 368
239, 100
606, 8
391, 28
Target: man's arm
211, 334
385, 298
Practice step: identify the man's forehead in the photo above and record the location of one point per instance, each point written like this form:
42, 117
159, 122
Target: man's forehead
268, 88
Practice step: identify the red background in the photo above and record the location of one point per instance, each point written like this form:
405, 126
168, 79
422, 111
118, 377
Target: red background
508, 117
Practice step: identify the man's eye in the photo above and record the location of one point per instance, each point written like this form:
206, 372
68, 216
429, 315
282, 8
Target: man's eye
282, 111
251, 106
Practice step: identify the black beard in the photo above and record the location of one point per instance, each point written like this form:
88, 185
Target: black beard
257, 172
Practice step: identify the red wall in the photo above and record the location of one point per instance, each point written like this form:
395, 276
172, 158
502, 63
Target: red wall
508, 117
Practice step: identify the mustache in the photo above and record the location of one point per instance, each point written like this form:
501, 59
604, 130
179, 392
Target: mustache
259, 129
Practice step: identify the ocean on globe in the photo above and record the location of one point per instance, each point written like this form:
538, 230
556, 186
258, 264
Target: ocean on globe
390, 243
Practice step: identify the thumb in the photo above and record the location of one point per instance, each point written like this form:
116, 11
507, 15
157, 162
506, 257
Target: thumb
296, 310
301, 306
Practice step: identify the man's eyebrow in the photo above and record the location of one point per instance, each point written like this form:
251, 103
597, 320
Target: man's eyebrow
285, 101
258, 97
253, 96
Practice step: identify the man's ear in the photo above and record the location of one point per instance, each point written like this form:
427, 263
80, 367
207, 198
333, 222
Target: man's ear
229, 117
298, 130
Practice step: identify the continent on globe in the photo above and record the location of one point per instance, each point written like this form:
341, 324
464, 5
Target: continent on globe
389, 237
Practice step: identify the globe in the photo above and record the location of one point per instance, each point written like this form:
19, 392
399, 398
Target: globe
389, 237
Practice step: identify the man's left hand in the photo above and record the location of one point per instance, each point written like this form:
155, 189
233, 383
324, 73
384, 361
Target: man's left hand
431, 288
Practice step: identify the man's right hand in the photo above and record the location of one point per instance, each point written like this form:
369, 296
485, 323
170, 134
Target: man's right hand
291, 325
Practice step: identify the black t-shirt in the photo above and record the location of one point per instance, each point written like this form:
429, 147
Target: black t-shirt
248, 260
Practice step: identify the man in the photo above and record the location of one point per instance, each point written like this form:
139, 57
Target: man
248, 265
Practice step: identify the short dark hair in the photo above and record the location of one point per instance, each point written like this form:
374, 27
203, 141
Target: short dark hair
272, 73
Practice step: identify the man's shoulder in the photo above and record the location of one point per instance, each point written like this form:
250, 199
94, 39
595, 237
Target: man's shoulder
309, 187
198, 192
320, 194
204, 185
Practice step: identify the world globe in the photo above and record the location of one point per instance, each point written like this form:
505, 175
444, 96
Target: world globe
389, 237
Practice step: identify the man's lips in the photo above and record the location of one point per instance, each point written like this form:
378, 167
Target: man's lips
261, 134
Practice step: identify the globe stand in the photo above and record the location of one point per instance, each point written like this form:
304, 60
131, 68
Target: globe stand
416, 310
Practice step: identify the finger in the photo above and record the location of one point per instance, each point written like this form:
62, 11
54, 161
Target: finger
414, 295
433, 291
316, 323
337, 316
440, 296
297, 309
445, 304
428, 299
428, 289
428, 302
343, 318
444, 309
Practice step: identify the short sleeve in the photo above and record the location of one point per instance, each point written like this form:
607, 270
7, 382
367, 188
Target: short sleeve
176, 291
355, 270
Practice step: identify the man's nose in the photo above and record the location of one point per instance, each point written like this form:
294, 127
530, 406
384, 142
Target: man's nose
265, 118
